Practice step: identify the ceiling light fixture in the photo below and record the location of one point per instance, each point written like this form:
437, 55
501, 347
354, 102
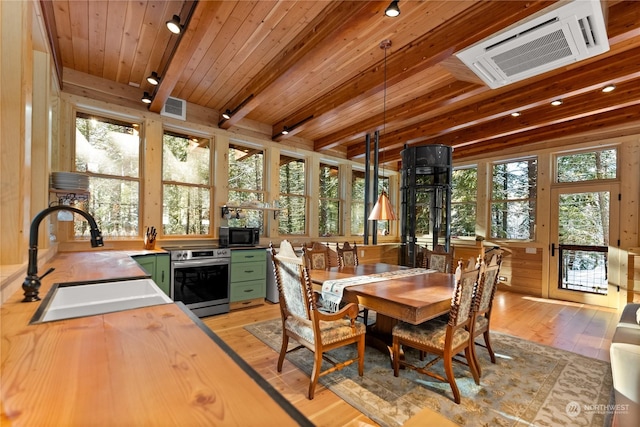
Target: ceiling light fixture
153, 79
515, 114
174, 25
228, 113
146, 98
608, 88
285, 130
392, 10
382, 210
556, 102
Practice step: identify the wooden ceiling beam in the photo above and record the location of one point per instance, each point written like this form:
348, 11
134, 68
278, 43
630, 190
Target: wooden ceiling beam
568, 84
425, 52
322, 27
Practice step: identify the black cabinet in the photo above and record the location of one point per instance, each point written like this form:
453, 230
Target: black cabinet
425, 199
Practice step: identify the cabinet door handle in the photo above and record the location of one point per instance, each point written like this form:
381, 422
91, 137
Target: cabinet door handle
248, 271
163, 275
248, 290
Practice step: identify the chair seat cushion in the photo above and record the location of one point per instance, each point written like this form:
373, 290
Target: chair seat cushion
330, 332
429, 334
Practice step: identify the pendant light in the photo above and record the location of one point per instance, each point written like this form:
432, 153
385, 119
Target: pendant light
382, 210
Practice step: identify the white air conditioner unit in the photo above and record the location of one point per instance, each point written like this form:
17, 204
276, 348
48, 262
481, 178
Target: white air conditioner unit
569, 33
175, 107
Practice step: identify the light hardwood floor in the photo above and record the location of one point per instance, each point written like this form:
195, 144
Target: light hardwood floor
574, 327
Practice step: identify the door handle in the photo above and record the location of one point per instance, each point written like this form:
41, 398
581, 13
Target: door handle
553, 249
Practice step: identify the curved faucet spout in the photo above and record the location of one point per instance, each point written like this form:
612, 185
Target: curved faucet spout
31, 284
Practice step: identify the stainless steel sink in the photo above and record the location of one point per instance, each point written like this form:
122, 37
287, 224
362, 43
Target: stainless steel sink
69, 300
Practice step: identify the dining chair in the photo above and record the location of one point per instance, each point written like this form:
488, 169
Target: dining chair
347, 255
437, 259
316, 256
486, 290
304, 323
444, 339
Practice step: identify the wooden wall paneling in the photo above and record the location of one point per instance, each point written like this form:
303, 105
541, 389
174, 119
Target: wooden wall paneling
15, 84
151, 179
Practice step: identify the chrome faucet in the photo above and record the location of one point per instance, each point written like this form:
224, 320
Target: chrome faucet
31, 283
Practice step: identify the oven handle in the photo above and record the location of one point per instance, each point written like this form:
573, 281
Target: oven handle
200, 262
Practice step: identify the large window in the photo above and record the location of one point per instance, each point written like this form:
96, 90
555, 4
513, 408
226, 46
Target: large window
383, 185
186, 189
513, 200
329, 206
246, 185
358, 220
464, 190
589, 166
108, 151
293, 203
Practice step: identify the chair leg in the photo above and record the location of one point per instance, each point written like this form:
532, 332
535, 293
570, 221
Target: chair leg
365, 316
315, 373
487, 341
474, 355
448, 370
473, 367
283, 350
361, 343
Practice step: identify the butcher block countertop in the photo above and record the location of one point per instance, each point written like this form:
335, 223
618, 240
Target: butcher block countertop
153, 366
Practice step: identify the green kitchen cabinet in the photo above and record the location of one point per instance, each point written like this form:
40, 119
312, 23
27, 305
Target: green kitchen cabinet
248, 277
157, 265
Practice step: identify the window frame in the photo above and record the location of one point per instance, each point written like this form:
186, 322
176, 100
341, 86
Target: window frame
138, 125
209, 187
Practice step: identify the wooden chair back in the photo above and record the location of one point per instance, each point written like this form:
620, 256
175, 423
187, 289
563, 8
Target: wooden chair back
347, 255
293, 281
317, 256
438, 259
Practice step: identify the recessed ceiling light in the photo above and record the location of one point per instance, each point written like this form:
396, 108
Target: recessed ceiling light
556, 102
608, 88
515, 114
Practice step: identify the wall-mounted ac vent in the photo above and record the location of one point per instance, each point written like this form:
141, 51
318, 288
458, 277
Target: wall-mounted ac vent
176, 108
566, 34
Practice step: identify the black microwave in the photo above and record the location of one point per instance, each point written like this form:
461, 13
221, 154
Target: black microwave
239, 236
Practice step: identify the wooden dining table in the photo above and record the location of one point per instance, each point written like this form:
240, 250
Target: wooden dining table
413, 299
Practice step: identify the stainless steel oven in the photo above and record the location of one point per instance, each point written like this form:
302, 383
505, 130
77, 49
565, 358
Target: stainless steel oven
200, 278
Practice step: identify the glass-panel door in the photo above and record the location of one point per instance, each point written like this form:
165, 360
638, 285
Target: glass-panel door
583, 227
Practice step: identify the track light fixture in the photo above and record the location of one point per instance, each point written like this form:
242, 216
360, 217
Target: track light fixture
515, 114
285, 130
174, 25
609, 88
228, 113
556, 102
153, 79
146, 98
392, 10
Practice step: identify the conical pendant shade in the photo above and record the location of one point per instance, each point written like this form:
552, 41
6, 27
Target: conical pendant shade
382, 210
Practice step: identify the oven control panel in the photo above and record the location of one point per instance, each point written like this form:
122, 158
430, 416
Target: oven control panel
205, 253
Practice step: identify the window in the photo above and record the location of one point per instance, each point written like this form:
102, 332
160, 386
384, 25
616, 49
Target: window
293, 203
246, 184
108, 151
590, 166
464, 188
186, 189
358, 220
513, 200
329, 209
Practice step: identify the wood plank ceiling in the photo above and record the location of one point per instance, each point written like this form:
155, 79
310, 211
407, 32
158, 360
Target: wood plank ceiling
317, 67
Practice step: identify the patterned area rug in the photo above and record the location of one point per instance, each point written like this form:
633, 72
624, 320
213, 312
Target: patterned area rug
530, 385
